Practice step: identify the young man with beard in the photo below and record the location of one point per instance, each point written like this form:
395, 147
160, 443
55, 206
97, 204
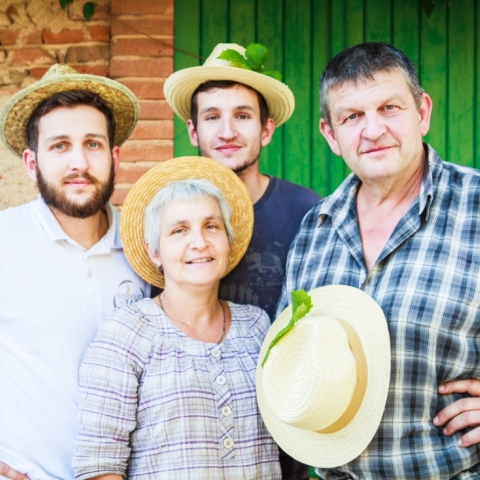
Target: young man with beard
62, 269
231, 113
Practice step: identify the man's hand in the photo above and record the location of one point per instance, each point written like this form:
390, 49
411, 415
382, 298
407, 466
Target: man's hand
6, 471
463, 413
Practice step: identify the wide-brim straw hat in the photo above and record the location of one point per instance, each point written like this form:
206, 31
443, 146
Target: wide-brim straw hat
60, 78
180, 86
323, 388
182, 168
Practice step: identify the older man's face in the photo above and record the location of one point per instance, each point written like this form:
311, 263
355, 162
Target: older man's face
377, 128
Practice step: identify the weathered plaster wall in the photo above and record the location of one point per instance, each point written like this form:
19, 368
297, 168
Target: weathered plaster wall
129, 40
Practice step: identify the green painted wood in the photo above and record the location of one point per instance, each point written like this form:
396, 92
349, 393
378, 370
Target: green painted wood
461, 83
242, 23
298, 68
187, 38
378, 21
321, 153
303, 36
433, 73
270, 30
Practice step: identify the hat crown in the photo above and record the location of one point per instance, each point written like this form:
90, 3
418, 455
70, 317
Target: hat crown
59, 69
311, 376
214, 61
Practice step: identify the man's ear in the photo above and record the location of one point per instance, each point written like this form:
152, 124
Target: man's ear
424, 112
116, 159
327, 131
267, 132
30, 162
192, 133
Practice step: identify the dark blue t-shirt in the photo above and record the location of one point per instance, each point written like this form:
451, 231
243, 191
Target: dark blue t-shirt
258, 278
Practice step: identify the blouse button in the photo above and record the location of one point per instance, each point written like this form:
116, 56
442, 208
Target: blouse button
215, 353
221, 380
226, 411
228, 443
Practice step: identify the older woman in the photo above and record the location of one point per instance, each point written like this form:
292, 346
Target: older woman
167, 388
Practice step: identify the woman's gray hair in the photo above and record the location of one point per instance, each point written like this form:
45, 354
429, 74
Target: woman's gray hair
182, 190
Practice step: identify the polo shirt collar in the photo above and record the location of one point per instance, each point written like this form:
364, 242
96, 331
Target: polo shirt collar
55, 232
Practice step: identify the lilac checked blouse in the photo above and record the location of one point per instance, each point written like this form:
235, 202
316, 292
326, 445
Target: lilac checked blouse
156, 402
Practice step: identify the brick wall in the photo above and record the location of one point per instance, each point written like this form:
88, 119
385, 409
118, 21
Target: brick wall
128, 40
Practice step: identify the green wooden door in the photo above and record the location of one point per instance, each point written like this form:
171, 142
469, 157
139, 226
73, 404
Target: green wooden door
302, 35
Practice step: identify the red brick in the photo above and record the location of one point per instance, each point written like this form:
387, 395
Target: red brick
151, 130
99, 33
142, 47
142, 7
129, 174
9, 37
101, 70
33, 38
29, 56
38, 72
87, 53
102, 10
147, 25
119, 195
146, 151
65, 36
155, 110
151, 89
141, 67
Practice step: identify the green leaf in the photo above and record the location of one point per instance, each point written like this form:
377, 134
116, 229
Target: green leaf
274, 74
234, 58
88, 10
301, 305
256, 55
64, 3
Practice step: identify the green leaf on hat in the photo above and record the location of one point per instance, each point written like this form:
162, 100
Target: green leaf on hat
301, 305
255, 56
234, 58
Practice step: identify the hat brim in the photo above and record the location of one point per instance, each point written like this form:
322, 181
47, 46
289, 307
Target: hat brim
328, 450
182, 168
180, 86
18, 110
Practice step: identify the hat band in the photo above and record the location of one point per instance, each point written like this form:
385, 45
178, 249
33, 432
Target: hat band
361, 385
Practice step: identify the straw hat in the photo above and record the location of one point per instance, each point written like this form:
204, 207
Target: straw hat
180, 86
182, 168
60, 78
323, 388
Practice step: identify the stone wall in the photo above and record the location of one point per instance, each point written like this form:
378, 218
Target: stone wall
128, 40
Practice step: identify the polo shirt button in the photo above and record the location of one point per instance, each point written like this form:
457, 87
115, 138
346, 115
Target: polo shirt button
221, 380
215, 353
228, 443
226, 411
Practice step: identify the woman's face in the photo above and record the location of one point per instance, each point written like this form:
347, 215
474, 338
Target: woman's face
193, 247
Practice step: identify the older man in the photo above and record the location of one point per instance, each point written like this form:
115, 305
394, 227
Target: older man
62, 268
405, 228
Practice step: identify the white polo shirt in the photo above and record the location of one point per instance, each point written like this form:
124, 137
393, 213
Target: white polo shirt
53, 296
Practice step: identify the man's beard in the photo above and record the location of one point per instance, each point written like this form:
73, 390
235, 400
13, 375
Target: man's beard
57, 199
240, 168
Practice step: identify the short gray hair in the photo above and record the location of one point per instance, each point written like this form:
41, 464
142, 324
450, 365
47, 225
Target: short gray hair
362, 62
183, 190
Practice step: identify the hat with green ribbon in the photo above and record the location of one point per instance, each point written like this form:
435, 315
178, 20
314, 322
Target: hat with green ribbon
229, 61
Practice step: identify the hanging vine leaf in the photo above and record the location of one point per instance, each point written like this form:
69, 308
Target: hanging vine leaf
88, 10
428, 6
64, 3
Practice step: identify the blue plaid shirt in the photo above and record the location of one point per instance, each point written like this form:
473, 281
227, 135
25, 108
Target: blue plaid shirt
427, 281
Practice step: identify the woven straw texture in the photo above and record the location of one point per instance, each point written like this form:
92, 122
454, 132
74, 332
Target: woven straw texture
326, 450
133, 211
179, 86
61, 78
